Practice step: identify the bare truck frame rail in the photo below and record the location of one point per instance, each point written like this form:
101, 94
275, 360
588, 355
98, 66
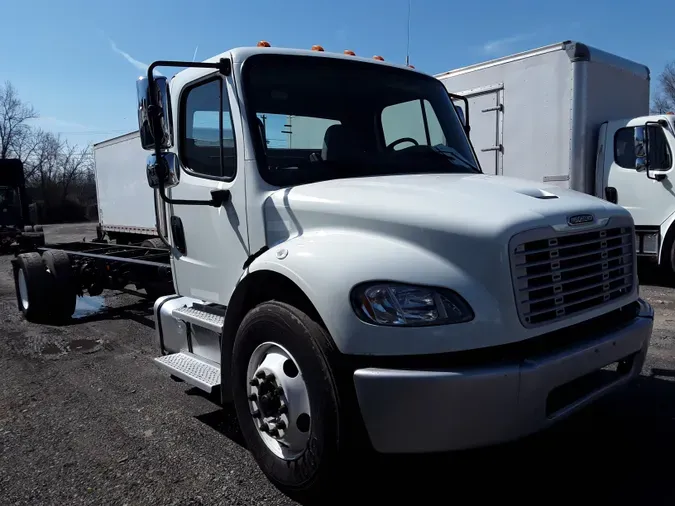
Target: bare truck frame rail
60, 272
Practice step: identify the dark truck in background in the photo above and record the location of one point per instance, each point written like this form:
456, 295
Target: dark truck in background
16, 231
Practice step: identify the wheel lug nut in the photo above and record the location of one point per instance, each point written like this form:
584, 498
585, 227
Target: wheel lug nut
280, 425
274, 432
255, 413
264, 427
253, 397
260, 374
283, 409
279, 391
254, 382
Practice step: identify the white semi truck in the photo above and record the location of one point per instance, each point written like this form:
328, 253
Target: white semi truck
347, 294
569, 114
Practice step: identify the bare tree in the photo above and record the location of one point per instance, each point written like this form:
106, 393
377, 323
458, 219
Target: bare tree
43, 167
664, 98
59, 175
75, 164
13, 116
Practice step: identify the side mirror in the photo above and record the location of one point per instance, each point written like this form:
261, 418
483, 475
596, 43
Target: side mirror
165, 170
460, 113
463, 113
164, 115
641, 150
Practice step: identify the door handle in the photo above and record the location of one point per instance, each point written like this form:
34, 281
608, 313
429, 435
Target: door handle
495, 108
178, 234
493, 148
611, 195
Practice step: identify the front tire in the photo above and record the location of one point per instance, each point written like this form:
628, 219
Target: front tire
281, 358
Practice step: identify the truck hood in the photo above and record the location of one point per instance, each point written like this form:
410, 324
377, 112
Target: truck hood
444, 230
413, 206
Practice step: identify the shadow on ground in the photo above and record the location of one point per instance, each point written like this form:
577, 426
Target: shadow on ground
619, 450
93, 309
650, 274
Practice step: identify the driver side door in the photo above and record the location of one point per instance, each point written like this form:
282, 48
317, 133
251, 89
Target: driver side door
211, 243
649, 201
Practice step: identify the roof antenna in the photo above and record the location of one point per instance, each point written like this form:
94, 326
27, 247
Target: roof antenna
407, 49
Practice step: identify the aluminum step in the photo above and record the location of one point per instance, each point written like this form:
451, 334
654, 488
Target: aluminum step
200, 318
191, 369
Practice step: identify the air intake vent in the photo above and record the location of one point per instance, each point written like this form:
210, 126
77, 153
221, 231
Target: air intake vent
556, 276
537, 193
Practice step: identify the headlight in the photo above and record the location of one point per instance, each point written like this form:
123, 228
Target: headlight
407, 305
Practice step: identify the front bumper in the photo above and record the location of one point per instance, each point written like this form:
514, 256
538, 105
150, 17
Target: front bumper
420, 411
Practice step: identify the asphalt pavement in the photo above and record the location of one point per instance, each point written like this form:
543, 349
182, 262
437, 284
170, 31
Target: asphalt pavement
86, 418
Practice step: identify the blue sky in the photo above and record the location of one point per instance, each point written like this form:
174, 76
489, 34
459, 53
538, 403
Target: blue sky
76, 61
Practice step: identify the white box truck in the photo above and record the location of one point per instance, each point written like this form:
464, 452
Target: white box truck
346, 295
126, 210
570, 115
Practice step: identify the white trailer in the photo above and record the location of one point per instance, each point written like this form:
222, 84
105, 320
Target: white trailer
126, 209
568, 114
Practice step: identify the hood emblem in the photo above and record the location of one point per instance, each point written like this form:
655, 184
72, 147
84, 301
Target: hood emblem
580, 219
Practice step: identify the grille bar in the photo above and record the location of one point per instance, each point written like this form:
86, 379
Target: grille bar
579, 290
571, 257
582, 243
568, 269
553, 284
558, 275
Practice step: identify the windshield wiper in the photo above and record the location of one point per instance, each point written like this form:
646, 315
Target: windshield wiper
454, 155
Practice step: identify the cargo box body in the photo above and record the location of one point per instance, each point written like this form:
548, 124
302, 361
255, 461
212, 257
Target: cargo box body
125, 201
536, 115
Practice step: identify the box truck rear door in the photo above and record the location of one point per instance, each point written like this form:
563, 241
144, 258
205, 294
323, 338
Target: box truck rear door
486, 110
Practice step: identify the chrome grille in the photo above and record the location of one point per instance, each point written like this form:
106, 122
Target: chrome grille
558, 276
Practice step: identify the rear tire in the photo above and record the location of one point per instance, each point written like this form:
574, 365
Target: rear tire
63, 294
154, 242
33, 284
314, 466
156, 289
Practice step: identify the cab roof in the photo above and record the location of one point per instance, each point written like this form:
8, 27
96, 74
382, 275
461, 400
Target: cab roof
240, 54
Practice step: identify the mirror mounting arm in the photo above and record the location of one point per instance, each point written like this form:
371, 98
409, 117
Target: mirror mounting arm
655, 177
218, 197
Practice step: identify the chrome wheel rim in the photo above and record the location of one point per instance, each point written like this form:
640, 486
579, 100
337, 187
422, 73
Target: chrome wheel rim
278, 401
23, 289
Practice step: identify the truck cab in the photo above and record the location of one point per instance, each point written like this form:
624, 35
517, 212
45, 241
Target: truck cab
635, 169
15, 229
364, 285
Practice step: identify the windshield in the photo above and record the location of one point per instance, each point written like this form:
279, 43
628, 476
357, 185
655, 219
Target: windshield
321, 118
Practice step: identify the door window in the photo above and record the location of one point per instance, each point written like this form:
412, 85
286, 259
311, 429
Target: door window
660, 156
202, 107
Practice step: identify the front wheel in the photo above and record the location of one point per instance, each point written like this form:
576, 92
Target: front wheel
286, 398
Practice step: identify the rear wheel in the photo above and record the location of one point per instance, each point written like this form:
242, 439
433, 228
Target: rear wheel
63, 294
32, 283
156, 289
287, 400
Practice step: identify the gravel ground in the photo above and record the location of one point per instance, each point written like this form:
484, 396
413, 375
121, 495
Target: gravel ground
86, 418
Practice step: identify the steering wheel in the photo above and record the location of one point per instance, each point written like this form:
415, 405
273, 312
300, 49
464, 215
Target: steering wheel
401, 140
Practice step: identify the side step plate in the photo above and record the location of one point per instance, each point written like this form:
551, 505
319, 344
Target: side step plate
191, 369
200, 318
